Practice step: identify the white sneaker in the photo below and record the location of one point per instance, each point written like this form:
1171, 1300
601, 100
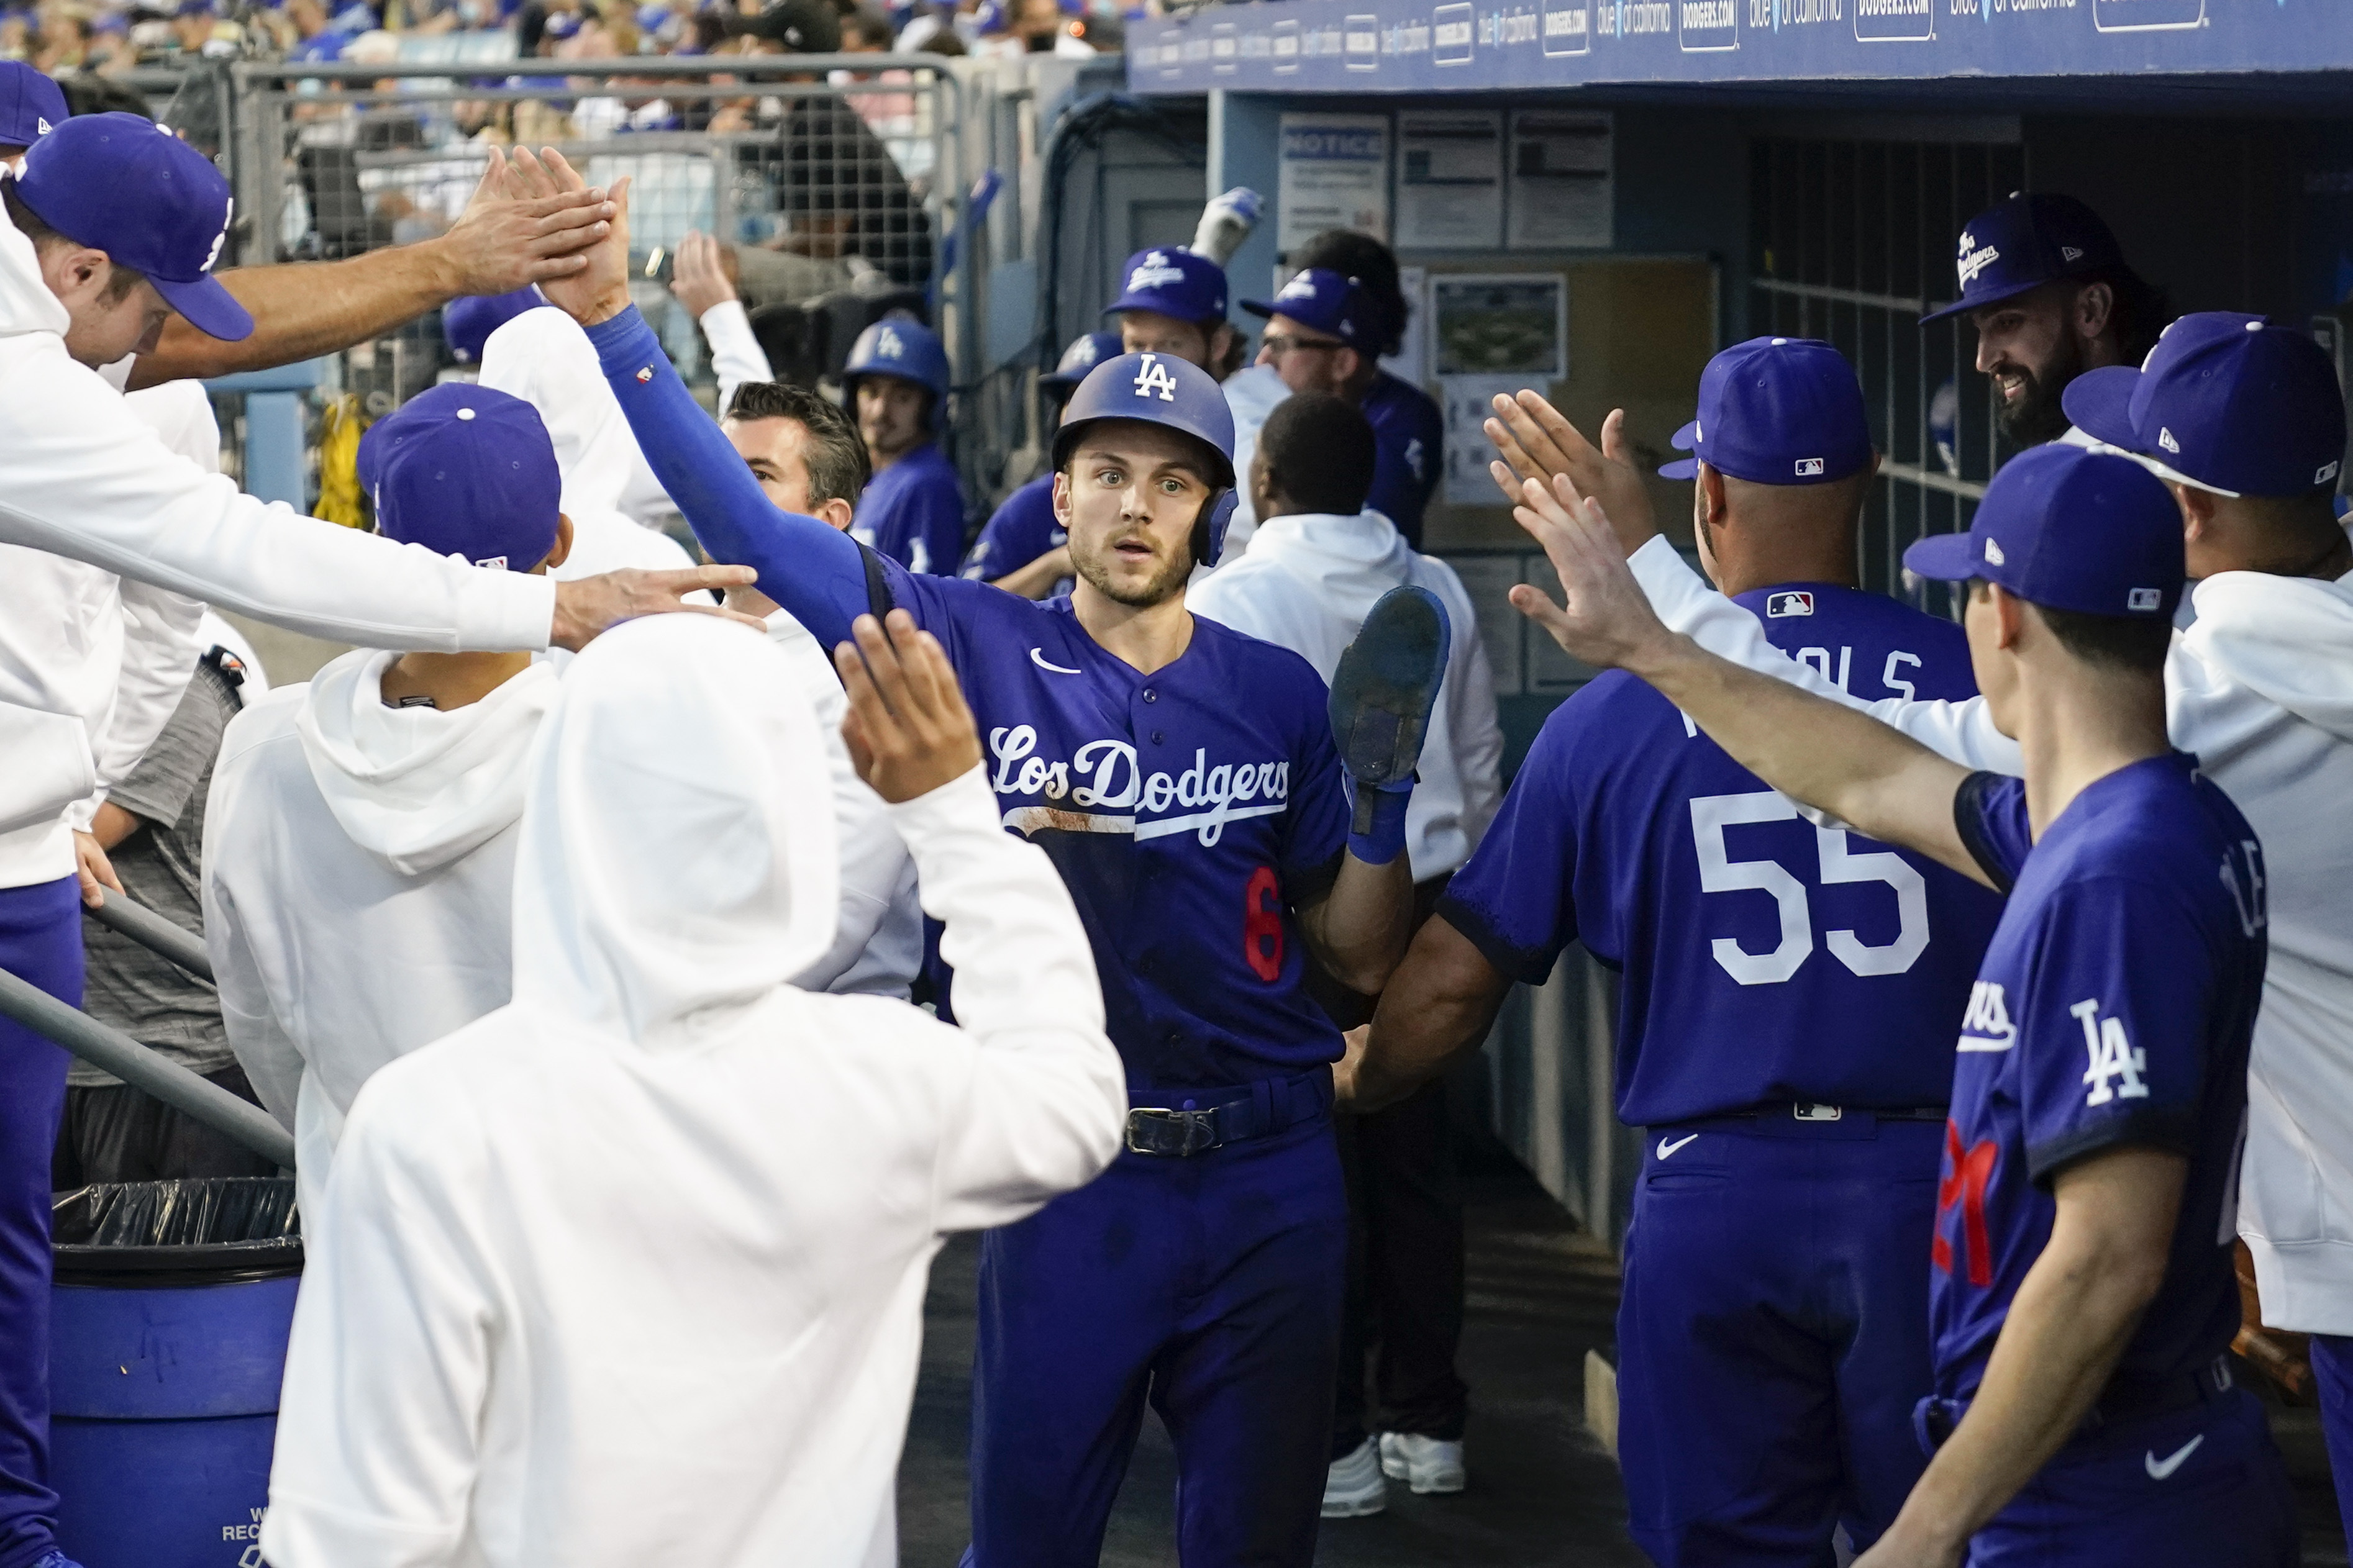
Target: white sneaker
1426, 1463
1353, 1486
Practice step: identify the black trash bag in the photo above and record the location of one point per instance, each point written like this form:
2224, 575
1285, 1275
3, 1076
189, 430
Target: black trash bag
212, 1230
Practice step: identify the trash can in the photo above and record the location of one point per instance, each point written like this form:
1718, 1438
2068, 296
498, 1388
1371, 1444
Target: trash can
167, 1342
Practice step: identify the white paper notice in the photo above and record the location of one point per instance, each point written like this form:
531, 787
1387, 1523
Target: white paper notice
1561, 184
1450, 188
1334, 175
1467, 402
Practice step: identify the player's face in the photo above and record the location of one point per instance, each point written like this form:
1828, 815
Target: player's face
1128, 498
1990, 624
102, 330
889, 415
1306, 360
1149, 332
2026, 346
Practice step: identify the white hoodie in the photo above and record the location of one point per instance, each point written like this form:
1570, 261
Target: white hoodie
543, 357
632, 1271
85, 480
2261, 689
1307, 584
358, 882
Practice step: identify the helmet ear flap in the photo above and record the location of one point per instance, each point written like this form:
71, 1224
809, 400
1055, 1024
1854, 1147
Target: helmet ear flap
1209, 525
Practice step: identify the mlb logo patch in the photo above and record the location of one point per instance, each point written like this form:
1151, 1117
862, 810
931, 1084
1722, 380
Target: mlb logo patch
1790, 602
2143, 599
492, 562
1810, 467
645, 374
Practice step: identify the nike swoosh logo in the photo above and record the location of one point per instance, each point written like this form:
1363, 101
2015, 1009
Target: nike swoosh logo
2159, 1469
1037, 658
1668, 1146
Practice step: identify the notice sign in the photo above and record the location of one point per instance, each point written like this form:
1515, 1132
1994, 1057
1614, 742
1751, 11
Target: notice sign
1449, 187
1561, 194
1336, 174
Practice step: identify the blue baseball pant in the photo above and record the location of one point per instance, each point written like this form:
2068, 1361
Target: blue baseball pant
2332, 1369
40, 941
1773, 1336
2200, 1487
1210, 1285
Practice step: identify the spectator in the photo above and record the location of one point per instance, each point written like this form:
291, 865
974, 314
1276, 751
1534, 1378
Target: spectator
152, 826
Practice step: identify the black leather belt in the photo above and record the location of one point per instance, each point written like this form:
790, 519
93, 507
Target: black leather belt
1207, 1119
1933, 1419
1805, 1119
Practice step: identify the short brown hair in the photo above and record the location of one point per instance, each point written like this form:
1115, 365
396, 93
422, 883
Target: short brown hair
33, 227
835, 455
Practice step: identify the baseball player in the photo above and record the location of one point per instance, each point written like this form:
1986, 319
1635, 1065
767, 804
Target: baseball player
1020, 550
1316, 568
2245, 422
1186, 781
2082, 1296
913, 511
1784, 1026
2046, 287
632, 1269
31, 106
93, 492
1174, 303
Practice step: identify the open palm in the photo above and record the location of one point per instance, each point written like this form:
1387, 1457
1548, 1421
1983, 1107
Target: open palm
601, 290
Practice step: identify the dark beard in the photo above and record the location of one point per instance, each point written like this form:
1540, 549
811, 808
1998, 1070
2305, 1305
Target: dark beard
1164, 586
2037, 417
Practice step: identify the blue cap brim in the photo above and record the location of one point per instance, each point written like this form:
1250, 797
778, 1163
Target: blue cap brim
209, 308
1944, 558
1963, 307
1259, 306
1683, 440
2100, 403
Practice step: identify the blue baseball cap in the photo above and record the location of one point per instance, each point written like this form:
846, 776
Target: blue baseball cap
129, 187
467, 471
467, 324
1777, 411
2225, 402
2069, 528
1173, 282
1329, 302
1087, 350
31, 104
2024, 242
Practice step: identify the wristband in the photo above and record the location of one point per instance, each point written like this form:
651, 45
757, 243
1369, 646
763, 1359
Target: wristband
1376, 831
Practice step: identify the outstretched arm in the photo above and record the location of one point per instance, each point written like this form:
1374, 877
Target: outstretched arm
1831, 757
816, 574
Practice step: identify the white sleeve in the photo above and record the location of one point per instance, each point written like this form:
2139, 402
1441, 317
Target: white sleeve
388, 1366
1478, 737
159, 657
1960, 731
272, 1062
736, 356
88, 479
1048, 1099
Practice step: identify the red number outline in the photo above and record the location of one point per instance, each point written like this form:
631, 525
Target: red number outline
1263, 925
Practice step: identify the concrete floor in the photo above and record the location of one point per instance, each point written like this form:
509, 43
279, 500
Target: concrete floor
1541, 1491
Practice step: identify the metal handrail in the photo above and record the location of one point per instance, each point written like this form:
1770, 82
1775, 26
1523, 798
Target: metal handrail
153, 931
112, 1051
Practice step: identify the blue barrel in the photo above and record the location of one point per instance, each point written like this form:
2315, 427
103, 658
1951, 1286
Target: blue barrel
168, 1336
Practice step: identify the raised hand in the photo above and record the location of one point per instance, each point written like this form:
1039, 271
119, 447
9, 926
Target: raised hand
908, 729
1606, 621
1537, 442
698, 280
600, 289
592, 604
502, 240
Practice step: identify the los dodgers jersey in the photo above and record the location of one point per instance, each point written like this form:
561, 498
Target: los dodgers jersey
1408, 447
1765, 960
913, 512
1016, 533
2115, 1007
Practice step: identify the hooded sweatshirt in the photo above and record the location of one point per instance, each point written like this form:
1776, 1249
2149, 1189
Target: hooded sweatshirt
543, 357
358, 877
1307, 584
631, 1271
89, 482
2261, 689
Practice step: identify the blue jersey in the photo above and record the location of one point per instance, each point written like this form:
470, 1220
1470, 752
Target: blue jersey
1189, 810
2115, 1007
1019, 532
1765, 961
1408, 447
913, 512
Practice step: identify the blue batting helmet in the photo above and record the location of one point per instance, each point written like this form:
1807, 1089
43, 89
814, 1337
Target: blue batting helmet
1087, 350
1161, 390
903, 347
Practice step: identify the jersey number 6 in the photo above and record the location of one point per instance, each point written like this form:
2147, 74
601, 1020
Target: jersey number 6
1719, 873
1263, 925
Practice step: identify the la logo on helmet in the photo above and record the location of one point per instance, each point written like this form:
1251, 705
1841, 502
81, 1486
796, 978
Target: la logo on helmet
1154, 377
887, 346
